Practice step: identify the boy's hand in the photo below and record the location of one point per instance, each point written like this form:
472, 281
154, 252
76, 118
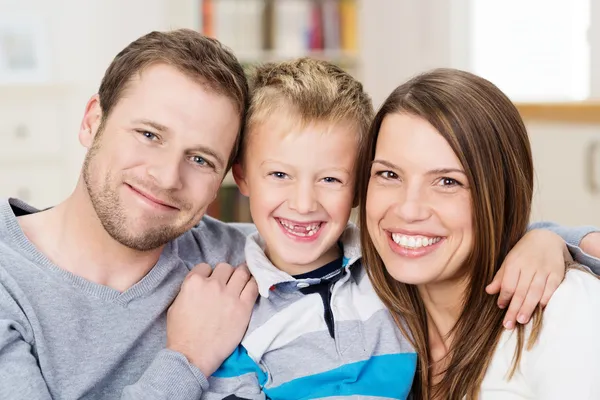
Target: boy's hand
590, 244
210, 315
530, 274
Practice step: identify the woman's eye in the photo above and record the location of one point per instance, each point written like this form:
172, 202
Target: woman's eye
448, 182
387, 174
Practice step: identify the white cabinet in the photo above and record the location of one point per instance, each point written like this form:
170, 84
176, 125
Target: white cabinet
567, 167
37, 184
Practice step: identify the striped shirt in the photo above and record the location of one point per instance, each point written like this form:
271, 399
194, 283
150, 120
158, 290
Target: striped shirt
303, 344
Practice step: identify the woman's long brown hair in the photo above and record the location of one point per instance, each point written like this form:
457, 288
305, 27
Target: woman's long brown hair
486, 132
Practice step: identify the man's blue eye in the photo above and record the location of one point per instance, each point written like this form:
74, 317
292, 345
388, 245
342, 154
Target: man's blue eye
199, 160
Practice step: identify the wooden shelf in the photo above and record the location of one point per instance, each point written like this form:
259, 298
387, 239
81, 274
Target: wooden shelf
585, 112
339, 57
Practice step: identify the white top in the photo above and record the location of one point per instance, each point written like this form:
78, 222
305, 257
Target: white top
565, 362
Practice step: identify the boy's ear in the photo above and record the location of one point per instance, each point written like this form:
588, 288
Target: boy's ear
240, 179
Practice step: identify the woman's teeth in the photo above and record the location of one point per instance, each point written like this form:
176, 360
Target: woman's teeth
414, 242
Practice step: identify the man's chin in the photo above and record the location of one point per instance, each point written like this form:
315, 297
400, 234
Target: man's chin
146, 241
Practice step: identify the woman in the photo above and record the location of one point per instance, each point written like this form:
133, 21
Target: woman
446, 187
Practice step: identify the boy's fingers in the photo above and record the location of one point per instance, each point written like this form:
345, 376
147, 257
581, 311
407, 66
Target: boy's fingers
552, 283
239, 279
509, 286
532, 299
202, 269
494, 286
517, 300
250, 292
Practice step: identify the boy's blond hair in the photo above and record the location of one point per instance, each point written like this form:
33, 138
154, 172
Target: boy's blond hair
313, 91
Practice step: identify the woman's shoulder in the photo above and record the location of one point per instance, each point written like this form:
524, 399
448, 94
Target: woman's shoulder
565, 360
580, 290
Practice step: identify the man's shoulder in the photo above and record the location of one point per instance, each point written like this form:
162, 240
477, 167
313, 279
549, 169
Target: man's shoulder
216, 229
212, 241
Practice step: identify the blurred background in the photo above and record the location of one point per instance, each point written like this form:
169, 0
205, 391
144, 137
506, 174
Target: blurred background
545, 54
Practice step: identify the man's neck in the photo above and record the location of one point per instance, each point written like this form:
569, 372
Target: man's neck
73, 238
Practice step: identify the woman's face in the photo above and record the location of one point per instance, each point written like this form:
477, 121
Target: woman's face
418, 207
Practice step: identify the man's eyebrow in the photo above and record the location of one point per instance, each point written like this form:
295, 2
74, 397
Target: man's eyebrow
153, 124
210, 152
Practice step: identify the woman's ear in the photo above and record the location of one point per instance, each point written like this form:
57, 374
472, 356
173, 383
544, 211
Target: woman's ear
240, 178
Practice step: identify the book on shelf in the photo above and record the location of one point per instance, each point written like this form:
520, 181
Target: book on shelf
230, 205
272, 30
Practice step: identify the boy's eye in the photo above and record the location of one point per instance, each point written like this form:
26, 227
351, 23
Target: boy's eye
149, 135
279, 175
330, 179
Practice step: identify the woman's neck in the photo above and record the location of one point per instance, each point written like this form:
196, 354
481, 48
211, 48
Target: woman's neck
443, 302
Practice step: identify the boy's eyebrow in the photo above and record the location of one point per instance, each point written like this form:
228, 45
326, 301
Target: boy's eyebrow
272, 161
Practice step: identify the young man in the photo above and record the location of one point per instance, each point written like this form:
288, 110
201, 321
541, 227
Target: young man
85, 286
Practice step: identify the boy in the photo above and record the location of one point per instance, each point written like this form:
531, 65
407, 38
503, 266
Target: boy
318, 329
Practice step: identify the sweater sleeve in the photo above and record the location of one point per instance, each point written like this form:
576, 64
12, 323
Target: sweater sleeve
170, 376
239, 377
20, 376
565, 362
572, 237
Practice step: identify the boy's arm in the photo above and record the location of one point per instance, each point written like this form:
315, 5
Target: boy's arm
535, 267
238, 378
583, 242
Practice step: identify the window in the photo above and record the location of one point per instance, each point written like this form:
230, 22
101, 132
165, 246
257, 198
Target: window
534, 50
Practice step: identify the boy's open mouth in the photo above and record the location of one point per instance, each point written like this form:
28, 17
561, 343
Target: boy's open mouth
301, 229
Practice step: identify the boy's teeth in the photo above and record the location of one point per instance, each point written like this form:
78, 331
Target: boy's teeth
414, 242
299, 229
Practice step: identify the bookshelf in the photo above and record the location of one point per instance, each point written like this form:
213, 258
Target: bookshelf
259, 31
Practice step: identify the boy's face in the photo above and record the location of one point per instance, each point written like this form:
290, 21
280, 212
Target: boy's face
300, 182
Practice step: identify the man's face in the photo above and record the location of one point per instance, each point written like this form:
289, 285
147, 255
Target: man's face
157, 161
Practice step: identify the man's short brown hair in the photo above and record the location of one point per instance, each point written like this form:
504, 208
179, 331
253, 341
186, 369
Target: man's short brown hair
313, 90
201, 58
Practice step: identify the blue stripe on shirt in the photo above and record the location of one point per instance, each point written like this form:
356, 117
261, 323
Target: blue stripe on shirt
389, 375
240, 363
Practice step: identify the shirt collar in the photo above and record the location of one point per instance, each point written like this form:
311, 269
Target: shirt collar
268, 276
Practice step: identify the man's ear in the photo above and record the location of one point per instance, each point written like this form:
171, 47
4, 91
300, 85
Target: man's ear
240, 178
91, 122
